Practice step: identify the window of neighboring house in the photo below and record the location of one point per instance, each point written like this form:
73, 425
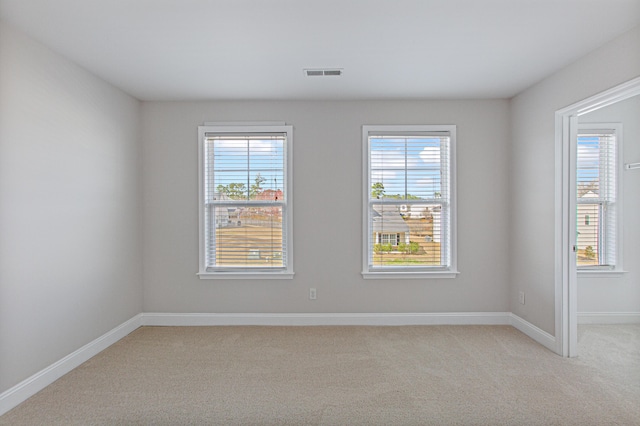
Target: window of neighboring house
393, 239
598, 198
245, 201
409, 201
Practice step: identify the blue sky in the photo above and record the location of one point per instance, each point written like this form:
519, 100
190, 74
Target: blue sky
240, 161
389, 157
588, 160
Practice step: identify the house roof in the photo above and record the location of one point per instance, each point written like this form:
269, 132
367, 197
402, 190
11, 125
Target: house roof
589, 194
386, 218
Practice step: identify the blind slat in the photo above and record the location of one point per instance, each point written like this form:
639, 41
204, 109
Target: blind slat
245, 200
596, 197
409, 199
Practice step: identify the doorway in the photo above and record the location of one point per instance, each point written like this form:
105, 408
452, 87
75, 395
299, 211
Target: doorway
567, 125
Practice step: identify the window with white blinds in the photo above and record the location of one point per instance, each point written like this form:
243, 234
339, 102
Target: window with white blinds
245, 208
597, 197
409, 201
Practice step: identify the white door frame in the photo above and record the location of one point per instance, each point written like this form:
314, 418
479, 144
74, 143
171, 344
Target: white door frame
566, 277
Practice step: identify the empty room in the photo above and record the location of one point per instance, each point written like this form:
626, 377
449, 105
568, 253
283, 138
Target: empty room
338, 212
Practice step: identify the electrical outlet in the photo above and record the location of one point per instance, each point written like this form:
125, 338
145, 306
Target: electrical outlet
312, 294
522, 297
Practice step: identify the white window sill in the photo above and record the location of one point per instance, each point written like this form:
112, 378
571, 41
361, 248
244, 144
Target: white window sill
383, 275
601, 273
245, 275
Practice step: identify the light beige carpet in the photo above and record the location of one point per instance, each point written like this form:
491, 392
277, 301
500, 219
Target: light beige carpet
416, 375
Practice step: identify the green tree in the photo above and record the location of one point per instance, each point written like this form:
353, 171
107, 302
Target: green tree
377, 190
236, 191
256, 188
588, 251
222, 189
403, 197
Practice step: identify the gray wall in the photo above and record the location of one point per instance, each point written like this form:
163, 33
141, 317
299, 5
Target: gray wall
77, 195
620, 294
69, 207
327, 176
532, 176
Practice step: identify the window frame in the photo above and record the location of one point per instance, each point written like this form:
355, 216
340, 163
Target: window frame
616, 270
408, 272
246, 129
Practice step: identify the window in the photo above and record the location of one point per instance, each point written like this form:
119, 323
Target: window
598, 198
409, 201
245, 201
393, 239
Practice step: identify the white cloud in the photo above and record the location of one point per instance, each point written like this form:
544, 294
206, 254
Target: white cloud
257, 147
588, 156
387, 159
430, 155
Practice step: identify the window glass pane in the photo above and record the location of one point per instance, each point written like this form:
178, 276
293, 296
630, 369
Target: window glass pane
406, 235
588, 238
245, 201
408, 199
248, 236
248, 168
409, 169
596, 196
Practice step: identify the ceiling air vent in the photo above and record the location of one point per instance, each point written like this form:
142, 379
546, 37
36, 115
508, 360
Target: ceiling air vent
322, 72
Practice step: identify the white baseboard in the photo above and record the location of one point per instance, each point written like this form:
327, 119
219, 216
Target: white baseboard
29, 387
460, 318
608, 317
537, 334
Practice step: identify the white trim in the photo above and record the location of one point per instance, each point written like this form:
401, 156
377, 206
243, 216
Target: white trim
409, 272
602, 273
631, 166
384, 275
566, 327
245, 275
608, 317
537, 334
244, 123
562, 250
244, 128
30, 386
611, 96
617, 130
311, 319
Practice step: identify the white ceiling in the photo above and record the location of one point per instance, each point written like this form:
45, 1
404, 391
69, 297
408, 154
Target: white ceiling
257, 49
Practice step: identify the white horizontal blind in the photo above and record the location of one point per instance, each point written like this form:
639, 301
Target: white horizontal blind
245, 201
596, 198
409, 200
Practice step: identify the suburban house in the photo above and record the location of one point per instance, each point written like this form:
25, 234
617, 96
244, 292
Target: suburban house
269, 195
100, 166
223, 215
388, 226
587, 219
425, 211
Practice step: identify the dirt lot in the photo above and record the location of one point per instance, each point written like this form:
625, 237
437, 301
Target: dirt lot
248, 245
262, 246
584, 260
